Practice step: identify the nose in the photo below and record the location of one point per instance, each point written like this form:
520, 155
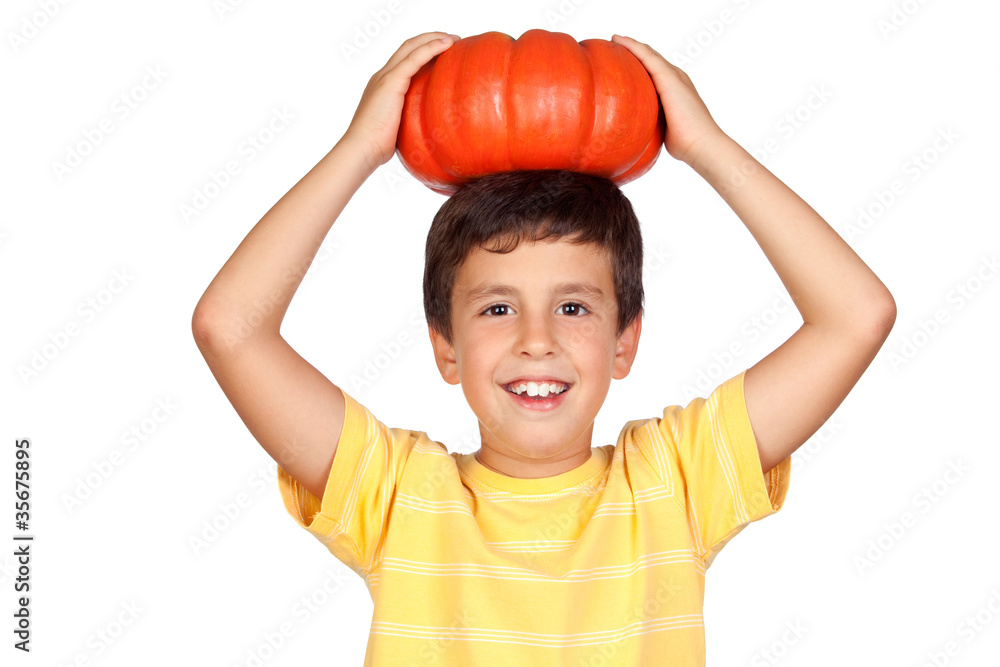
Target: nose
536, 335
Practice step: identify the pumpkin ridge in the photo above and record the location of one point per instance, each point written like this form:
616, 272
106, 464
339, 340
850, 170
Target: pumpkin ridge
587, 145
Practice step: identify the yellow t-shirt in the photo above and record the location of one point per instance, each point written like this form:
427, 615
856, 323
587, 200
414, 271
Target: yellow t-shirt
601, 565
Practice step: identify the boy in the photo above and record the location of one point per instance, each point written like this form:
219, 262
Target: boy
539, 549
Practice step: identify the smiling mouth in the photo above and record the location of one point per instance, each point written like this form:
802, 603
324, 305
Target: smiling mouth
537, 389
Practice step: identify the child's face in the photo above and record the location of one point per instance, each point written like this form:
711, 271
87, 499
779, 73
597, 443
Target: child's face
544, 312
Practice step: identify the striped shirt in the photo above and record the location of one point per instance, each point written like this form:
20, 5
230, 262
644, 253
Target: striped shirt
601, 565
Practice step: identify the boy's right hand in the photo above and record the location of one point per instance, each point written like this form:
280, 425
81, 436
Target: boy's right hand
376, 122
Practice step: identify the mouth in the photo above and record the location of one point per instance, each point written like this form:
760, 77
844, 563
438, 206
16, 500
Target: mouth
537, 389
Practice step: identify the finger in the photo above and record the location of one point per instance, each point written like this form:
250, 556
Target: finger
646, 54
422, 45
651, 59
423, 54
642, 46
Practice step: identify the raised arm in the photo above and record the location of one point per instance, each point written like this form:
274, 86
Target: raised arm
294, 412
847, 312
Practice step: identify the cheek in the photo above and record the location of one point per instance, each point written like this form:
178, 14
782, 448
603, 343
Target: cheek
587, 332
590, 340
474, 356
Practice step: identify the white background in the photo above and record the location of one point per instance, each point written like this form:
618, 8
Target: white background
865, 103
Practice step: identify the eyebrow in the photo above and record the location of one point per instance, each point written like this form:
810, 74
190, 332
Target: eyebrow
496, 289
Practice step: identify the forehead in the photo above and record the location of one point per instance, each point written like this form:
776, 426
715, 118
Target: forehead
539, 264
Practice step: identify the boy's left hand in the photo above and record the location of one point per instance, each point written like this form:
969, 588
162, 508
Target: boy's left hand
688, 121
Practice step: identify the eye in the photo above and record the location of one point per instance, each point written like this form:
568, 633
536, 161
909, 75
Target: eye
573, 309
497, 310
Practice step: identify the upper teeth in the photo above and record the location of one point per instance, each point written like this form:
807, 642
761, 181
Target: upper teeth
538, 388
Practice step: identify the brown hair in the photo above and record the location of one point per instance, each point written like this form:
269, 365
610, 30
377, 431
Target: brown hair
498, 211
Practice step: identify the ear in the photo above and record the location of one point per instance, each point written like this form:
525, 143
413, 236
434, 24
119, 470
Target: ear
628, 345
444, 355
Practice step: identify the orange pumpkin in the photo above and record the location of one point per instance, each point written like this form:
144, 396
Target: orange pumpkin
543, 101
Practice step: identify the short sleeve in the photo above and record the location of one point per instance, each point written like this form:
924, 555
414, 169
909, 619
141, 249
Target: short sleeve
350, 519
708, 451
